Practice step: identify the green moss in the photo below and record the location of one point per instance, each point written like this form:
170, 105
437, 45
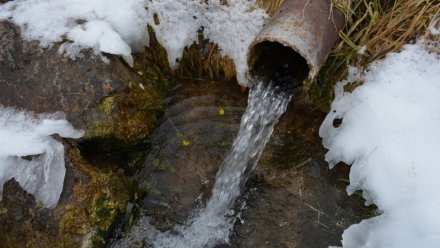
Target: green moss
137, 110
98, 201
103, 212
107, 105
126, 117
101, 129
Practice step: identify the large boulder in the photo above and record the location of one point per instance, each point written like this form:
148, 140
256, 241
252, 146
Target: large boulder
106, 99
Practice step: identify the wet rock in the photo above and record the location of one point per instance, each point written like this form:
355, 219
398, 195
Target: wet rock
108, 100
188, 146
92, 200
296, 200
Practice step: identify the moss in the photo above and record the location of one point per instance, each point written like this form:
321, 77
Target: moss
98, 201
137, 110
101, 129
103, 211
127, 116
107, 105
91, 202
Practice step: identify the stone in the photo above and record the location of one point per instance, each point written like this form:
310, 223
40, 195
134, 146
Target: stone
91, 202
106, 99
110, 101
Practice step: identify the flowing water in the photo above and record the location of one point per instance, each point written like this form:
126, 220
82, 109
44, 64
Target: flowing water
213, 224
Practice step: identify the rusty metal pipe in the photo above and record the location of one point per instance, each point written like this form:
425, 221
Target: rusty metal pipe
301, 34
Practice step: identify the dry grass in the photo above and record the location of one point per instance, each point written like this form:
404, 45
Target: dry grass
381, 26
271, 6
204, 60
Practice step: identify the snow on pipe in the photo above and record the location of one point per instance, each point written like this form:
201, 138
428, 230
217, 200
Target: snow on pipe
300, 34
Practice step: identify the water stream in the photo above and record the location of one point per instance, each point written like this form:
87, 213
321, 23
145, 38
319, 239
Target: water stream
267, 102
212, 225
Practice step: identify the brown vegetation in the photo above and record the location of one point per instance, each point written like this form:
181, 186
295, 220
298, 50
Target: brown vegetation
379, 26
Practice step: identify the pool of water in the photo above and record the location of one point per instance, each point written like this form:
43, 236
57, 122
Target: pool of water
291, 200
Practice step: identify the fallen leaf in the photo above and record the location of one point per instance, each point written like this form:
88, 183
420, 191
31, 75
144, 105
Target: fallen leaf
185, 142
221, 111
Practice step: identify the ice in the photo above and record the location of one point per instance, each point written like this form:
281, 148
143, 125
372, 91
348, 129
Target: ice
24, 134
120, 26
390, 134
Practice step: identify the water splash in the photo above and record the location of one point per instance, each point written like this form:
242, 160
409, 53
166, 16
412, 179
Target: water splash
213, 225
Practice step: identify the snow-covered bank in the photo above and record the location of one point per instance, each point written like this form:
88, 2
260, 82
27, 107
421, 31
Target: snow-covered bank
120, 26
25, 134
390, 133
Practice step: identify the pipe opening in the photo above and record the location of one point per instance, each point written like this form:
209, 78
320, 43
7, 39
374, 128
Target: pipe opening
272, 61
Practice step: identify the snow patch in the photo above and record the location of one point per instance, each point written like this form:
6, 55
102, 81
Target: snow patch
120, 26
390, 133
115, 26
362, 50
30, 155
232, 26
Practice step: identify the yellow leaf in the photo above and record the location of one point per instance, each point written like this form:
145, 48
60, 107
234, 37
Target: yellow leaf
185, 142
221, 111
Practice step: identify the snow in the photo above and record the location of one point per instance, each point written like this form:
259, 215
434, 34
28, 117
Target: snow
390, 134
113, 26
232, 27
25, 134
120, 26
362, 50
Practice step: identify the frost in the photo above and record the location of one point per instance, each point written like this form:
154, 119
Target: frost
390, 134
31, 156
120, 26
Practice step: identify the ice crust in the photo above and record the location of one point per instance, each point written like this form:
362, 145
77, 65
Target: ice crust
390, 134
120, 26
24, 134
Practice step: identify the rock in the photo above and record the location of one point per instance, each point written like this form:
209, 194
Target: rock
296, 201
91, 202
107, 100
188, 147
